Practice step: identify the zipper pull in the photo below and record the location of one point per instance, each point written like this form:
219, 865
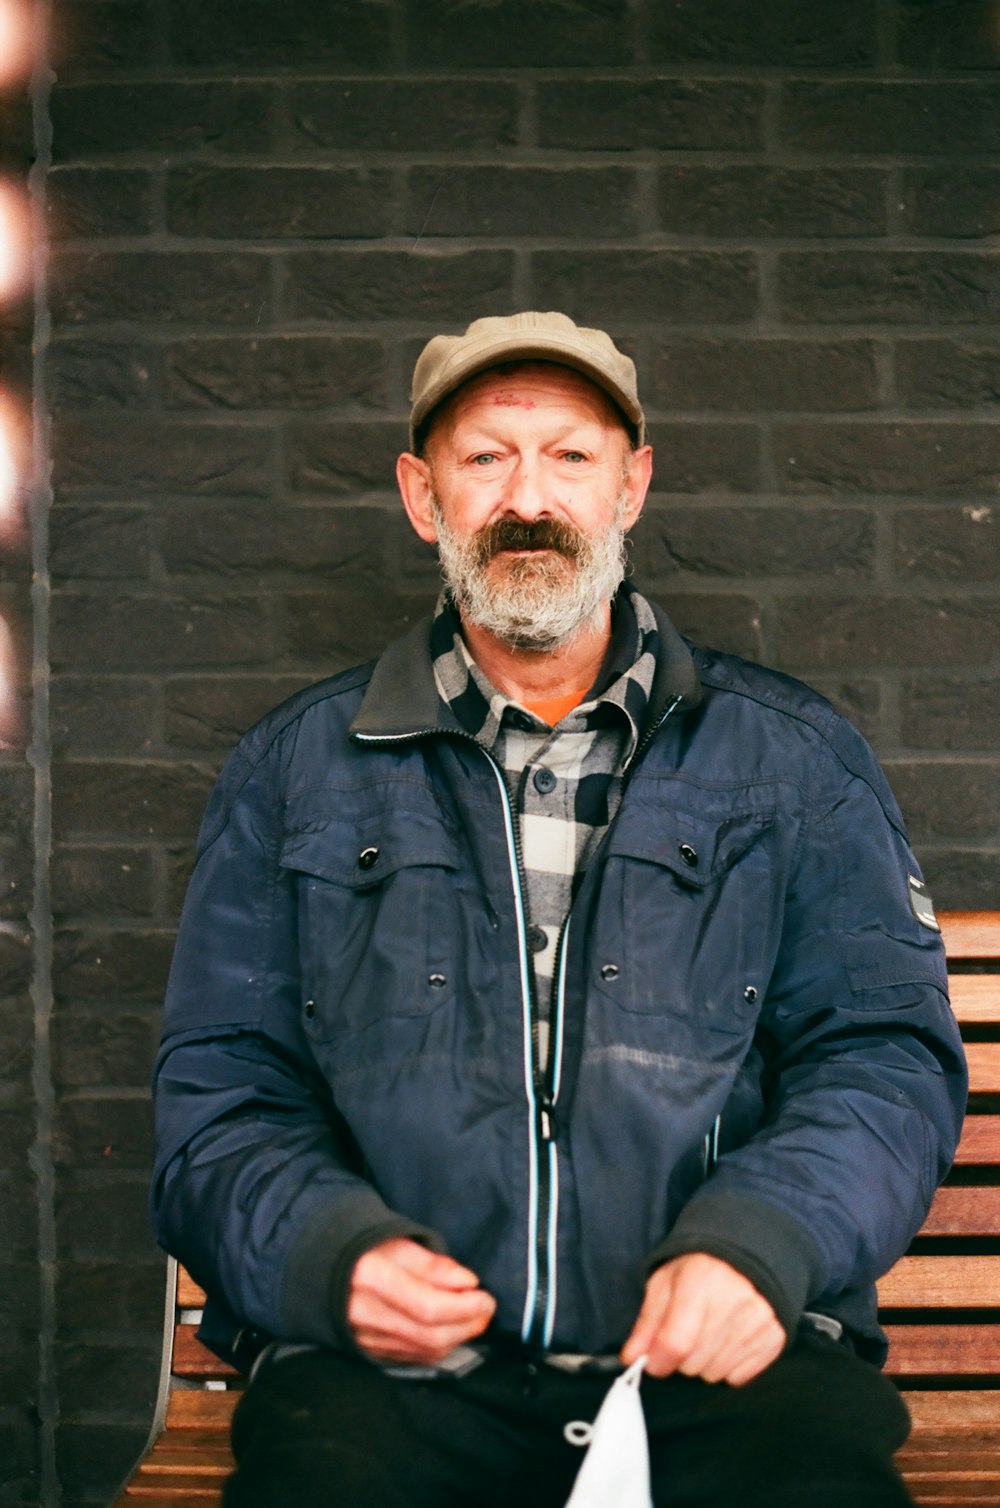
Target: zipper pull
547, 1116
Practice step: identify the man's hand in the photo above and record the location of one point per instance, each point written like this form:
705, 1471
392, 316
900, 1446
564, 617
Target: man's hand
410, 1304
703, 1318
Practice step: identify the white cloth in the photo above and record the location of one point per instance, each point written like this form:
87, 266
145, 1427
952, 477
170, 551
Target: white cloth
615, 1470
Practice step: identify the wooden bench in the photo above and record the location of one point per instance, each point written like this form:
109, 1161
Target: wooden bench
941, 1305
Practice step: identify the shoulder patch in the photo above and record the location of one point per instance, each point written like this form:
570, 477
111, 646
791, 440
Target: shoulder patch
921, 903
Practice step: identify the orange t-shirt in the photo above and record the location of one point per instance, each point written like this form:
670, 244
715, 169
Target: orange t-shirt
556, 707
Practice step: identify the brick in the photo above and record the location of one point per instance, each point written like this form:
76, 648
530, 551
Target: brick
17, 1042
664, 114
98, 544
773, 202
796, 33
860, 701
20, 1454
111, 119
890, 287
437, 287
961, 879
145, 633
868, 632
17, 1134
17, 135
107, 1132
147, 456
944, 712
340, 34
948, 34
16, 880
646, 286
94, 1049
333, 634
17, 801
286, 371
213, 712
100, 1216
409, 115
953, 799
19, 1294
692, 456
153, 287
339, 544
952, 201
587, 203
121, 1372
92, 40
18, 1368
109, 1296
747, 541
107, 880
341, 460
945, 373
332, 203
543, 33
93, 1459
97, 373
16, 962
846, 456
717, 620
120, 800
95, 202
744, 375
948, 544
18, 1195
896, 116
102, 714
100, 964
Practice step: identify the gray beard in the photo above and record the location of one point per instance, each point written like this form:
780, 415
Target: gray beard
534, 603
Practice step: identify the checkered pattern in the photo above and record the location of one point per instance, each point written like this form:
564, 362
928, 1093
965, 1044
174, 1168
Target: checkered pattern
565, 782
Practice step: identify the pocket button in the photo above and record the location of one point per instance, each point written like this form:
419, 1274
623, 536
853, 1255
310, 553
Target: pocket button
689, 855
367, 858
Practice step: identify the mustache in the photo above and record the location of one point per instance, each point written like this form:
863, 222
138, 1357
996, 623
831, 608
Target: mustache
516, 534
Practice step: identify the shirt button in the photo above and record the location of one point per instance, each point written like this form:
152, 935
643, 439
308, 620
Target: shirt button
544, 780
537, 939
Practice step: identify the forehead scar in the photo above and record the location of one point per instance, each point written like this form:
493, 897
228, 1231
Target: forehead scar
510, 400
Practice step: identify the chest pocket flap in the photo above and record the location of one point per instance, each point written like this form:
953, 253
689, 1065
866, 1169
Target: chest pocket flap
363, 852
697, 849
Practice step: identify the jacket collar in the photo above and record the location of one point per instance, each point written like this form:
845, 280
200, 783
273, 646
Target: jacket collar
402, 699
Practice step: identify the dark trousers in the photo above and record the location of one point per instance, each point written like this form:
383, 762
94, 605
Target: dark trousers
816, 1430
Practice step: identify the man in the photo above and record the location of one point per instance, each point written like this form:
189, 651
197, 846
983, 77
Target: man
549, 995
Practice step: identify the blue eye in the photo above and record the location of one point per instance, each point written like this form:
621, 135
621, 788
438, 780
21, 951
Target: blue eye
486, 459
574, 455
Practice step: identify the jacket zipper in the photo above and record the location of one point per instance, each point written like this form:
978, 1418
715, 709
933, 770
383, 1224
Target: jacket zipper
538, 1315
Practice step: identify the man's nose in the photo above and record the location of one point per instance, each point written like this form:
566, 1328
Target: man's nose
526, 494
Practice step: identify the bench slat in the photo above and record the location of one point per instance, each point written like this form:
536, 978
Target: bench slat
964, 1212
971, 934
975, 998
942, 1282
943, 1350
984, 1067
189, 1295
202, 1409
974, 1413
195, 1361
980, 1143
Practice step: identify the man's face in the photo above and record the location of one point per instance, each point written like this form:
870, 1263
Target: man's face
531, 483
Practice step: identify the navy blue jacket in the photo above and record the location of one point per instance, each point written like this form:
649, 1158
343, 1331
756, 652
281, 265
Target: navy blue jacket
753, 1053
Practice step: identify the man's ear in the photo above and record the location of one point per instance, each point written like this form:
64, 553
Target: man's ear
638, 475
416, 488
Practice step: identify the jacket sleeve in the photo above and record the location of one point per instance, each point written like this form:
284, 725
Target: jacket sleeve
866, 1079
257, 1187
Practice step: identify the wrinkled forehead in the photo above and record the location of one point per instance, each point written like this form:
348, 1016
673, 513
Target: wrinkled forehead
526, 385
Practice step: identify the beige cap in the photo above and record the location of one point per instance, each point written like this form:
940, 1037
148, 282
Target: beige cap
449, 360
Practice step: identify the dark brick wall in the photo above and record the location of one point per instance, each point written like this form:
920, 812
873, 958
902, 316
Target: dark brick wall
258, 212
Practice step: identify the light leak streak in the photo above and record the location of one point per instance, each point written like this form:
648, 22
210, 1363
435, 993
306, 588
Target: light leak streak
15, 40
11, 731
15, 241
12, 518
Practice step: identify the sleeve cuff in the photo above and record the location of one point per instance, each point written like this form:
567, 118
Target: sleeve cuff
757, 1239
320, 1264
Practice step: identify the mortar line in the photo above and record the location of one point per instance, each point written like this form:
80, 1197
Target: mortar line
39, 758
